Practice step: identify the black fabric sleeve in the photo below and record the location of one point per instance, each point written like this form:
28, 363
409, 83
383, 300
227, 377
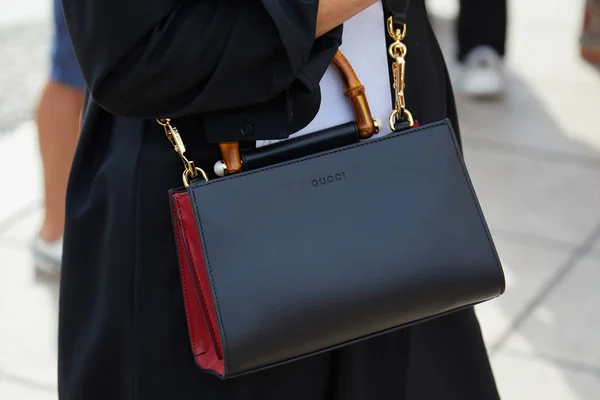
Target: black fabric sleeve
178, 57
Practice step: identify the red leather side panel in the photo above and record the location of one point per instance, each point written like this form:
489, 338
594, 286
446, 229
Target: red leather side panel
199, 307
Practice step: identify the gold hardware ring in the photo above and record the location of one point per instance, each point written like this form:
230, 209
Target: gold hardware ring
188, 173
395, 117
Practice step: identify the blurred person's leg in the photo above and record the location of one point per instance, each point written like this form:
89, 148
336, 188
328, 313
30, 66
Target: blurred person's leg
481, 33
58, 118
481, 23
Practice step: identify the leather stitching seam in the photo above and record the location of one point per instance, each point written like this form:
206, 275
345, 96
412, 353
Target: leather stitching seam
193, 269
364, 143
182, 273
479, 211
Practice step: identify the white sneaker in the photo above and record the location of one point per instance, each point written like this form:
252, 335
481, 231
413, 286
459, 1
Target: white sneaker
47, 255
482, 73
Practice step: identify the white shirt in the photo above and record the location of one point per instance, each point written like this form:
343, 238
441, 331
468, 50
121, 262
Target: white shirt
365, 47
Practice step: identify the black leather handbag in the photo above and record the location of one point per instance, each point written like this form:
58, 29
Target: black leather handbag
347, 239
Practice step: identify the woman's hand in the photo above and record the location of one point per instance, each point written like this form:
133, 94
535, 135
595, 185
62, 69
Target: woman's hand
333, 13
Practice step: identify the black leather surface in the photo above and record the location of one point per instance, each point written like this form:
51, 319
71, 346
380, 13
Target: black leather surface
297, 147
297, 266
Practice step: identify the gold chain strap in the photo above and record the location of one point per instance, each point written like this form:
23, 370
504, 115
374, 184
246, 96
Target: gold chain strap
397, 51
191, 171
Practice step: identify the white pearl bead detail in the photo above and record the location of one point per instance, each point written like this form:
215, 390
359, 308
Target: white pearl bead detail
378, 125
220, 168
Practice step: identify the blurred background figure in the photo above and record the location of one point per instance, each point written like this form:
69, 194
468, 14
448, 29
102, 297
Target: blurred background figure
481, 34
590, 38
58, 117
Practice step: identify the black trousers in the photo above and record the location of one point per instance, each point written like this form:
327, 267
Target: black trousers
481, 22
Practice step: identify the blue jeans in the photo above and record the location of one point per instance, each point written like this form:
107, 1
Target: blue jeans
65, 69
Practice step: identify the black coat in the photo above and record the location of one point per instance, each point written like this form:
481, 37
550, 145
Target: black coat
215, 66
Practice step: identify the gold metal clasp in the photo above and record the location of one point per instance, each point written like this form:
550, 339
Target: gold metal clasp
396, 34
397, 52
191, 171
174, 136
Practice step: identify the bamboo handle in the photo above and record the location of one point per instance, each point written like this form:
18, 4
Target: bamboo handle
231, 160
355, 90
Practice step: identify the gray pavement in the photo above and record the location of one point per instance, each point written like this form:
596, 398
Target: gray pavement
535, 161
24, 43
